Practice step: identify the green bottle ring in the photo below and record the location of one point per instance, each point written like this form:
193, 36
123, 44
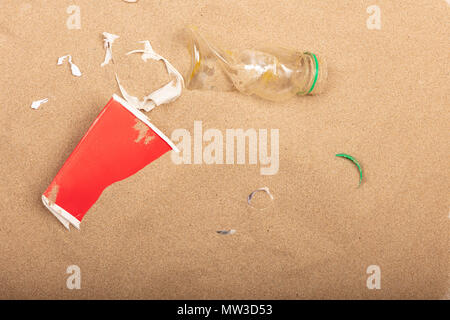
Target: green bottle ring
316, 74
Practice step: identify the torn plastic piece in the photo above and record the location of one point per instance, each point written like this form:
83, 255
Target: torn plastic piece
343, 155
251, 195
275, 74
36, 104
131, 1
168, 93
108, 40
74, 68
120, 142
224, 232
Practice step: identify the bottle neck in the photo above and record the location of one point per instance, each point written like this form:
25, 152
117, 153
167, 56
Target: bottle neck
313, 75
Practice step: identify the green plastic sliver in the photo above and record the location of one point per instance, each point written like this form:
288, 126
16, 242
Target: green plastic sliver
349, 157
316, 74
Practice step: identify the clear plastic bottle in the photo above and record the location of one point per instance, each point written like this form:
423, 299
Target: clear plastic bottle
274, 74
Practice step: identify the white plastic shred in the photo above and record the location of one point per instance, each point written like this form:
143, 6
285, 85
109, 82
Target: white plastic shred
250, 196
36, 104
168, 93
73, 67
225, 232
108, 40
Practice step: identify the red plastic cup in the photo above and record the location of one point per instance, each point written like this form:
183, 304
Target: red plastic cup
120, 142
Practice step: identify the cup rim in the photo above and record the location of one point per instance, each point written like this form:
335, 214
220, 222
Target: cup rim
145, 119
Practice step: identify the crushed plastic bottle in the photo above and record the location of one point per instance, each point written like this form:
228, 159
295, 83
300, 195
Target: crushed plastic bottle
274, 74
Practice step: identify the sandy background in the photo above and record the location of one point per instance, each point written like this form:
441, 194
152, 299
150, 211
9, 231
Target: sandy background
153, 235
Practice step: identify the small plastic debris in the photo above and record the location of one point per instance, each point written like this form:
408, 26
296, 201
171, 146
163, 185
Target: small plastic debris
275, 74
225, 232
108, 40
36, 104
168, 93
74, 68
251, 195
343, 155
131, 1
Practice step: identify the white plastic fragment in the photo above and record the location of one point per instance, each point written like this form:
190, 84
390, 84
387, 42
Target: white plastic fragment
108, 40
168, 93
224, 232
250, 196
131, 1
36, 104
74, 68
